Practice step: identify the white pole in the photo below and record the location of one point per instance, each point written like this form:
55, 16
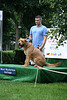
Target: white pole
36, 77
1, 22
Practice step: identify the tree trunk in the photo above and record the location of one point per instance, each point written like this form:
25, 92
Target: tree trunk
17, 37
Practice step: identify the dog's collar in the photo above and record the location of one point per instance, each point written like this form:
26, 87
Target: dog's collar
33, 49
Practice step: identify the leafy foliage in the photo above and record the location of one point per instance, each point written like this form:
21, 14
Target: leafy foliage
59, 16
13, 56
22, 13
8, 57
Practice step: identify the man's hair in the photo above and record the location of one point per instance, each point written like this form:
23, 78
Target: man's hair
38, 16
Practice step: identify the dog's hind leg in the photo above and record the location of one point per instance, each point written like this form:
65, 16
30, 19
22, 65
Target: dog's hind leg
38, 62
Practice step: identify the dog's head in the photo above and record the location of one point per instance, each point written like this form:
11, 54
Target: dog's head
22, 42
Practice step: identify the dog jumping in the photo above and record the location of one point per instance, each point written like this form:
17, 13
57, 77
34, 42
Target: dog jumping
34, 54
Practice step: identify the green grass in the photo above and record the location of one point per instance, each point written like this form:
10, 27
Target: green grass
26, 91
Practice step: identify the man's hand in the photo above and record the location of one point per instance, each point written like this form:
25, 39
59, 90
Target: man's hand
40, 48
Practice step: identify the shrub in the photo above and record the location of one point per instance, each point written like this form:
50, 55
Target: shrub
19, 57
13, 57
8, 56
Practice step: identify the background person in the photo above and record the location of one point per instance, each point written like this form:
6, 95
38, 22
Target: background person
38, 34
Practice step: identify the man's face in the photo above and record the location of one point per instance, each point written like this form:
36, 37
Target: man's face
38, 21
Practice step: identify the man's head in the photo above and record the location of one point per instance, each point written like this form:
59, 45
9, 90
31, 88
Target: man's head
38, 20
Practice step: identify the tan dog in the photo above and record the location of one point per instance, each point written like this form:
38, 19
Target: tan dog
34, 54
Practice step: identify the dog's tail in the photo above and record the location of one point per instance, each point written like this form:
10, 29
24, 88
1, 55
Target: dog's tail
52, 65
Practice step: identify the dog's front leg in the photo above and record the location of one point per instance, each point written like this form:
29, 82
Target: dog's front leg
26, 62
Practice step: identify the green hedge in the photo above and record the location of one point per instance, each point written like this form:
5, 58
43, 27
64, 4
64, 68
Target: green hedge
13, 57
7, 57
19, 56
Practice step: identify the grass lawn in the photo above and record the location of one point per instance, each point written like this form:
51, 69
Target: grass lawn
26, 91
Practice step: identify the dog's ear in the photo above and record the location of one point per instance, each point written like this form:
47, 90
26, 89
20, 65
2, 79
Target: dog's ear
25, 40
19, 39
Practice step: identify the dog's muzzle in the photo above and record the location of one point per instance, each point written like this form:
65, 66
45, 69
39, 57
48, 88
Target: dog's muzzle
20, 46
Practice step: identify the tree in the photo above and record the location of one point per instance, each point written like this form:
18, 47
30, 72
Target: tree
12, 12
19, 16
12, 17
58, 17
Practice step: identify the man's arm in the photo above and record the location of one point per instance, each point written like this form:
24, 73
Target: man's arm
30, 37
44, 41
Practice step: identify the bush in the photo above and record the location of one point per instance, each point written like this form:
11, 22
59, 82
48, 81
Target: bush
19, 57
7, 57
13, 57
